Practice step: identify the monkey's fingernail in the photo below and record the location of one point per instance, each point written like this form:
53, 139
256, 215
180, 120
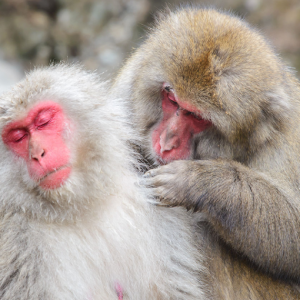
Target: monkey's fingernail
153, 202
147, 175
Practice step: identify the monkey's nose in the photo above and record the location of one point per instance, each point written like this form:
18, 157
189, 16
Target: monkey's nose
37, 153
168, 141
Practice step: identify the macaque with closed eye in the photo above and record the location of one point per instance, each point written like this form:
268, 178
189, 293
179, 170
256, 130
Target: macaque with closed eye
219, 111
73, 222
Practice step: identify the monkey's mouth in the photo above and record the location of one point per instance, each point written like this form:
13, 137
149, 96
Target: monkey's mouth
161, 161
55, 178
164, 161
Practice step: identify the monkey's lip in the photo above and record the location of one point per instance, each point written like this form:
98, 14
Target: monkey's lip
54, 179
161, 161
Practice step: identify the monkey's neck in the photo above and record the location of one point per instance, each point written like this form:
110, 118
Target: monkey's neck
118, 191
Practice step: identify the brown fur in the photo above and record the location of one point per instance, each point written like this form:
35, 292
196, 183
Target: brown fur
244, 176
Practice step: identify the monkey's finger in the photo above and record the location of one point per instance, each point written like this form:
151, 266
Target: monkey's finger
167, 202
157, 181
153, 201
164, 202
150, 173
158, 201
161, 204
159, 170
163, 193
146, 182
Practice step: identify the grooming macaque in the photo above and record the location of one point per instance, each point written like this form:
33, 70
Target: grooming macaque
220, 113
73, 222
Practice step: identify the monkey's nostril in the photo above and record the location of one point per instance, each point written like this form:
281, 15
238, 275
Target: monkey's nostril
43, 153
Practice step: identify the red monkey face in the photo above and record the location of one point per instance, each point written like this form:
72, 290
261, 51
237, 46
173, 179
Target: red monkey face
172, 138
38, 139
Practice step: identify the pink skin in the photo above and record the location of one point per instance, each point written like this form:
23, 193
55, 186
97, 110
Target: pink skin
38, 139
171, 140
119, 291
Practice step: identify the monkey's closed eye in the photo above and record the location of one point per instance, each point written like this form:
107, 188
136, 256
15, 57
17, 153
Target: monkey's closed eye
196, 116
43, 123
173, 102
20, 139
17, 135
44, 118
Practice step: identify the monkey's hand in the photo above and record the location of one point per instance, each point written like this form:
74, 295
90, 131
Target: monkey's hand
175, 184
247, 208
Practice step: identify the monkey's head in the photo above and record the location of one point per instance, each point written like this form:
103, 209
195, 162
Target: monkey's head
59, 143
205, 85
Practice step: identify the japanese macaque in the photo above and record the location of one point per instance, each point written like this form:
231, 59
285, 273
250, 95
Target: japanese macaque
220, 114
74, 224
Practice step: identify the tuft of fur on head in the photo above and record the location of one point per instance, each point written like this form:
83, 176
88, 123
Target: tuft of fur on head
81, 95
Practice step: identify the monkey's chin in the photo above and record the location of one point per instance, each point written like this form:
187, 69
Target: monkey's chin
55, 179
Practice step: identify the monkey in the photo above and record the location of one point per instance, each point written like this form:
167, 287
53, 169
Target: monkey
74, 223
219, 112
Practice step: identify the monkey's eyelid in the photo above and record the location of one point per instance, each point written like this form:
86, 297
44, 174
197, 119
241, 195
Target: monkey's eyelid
197, 116
173, 102
43, 123
44, 117
189, 113
16, 136
19, 139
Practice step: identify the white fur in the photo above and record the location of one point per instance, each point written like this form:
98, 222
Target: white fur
98, 229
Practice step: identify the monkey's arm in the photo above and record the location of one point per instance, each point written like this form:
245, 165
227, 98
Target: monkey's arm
246, 209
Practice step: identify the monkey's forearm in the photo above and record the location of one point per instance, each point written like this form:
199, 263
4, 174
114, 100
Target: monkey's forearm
250, 213
253, 216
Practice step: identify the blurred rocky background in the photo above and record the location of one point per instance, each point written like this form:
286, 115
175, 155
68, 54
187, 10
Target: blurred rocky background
102, 33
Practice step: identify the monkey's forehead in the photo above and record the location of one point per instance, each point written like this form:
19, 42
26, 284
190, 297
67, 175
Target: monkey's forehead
27, 92
187, 35
194, 48
69, 85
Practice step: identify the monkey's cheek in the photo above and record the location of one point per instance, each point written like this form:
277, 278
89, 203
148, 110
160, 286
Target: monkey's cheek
56, 179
